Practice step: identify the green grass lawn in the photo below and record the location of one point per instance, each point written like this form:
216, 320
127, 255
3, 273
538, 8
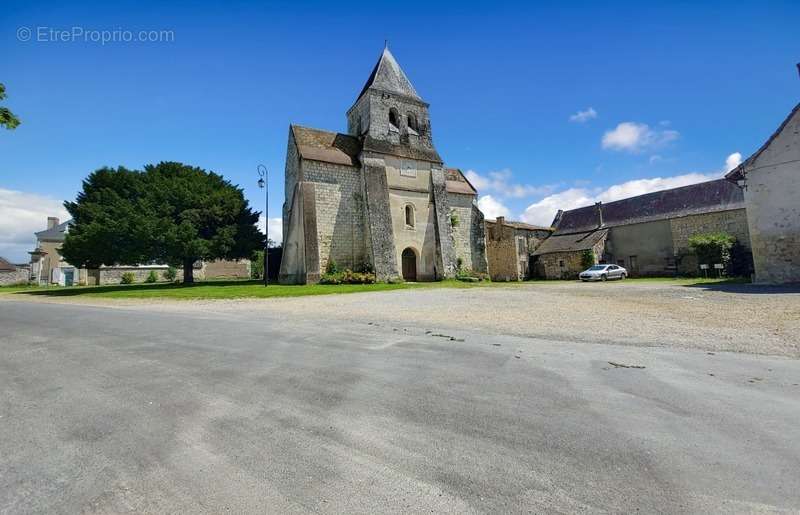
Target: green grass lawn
256, 289
227, 289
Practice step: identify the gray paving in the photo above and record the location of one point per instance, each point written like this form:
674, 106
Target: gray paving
113, 410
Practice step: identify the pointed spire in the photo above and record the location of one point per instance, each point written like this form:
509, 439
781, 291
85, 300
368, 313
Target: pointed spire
388, 76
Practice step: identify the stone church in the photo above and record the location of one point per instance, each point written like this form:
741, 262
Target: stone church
379, 196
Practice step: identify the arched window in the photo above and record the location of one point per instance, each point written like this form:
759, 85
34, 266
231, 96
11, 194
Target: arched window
409, 212
413, 128
394, 123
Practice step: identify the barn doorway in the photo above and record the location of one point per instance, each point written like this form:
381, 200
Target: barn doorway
409, 264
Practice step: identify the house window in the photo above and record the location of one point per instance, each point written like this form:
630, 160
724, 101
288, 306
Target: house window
561, 263
621, 262
413, 128
394, 124
520, 245
409, 212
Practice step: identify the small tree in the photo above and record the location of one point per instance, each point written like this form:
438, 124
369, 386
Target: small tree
587, 258
712, 248
170, 274
151, 277
7, 118
257, 265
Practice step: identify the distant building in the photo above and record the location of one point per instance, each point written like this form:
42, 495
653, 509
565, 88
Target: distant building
509, 246
770, 179
379, 196
647, 234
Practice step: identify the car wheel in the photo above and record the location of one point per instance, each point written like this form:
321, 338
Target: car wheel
622, 277
603, 277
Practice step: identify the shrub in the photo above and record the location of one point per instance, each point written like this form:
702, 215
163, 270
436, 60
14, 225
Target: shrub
348, 277
712, 248
170, 274
257, 265
471, 276
587, 258
128, 278
741, 263
331, 267
151, 277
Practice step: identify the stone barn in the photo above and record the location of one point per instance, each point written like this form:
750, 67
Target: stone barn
770, 179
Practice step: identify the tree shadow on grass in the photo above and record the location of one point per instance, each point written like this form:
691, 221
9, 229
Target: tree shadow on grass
85, 290
740, 286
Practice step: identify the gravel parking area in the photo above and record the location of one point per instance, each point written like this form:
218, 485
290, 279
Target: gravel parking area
715, 317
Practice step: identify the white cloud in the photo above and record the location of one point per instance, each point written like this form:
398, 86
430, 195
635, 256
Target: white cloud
583, 116
275, 228
637, 137
492, 208
501, 184
733, 161
543, 211
22, 214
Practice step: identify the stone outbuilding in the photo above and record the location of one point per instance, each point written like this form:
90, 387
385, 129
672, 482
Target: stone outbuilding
647, 234
770, 179
509, 246
378, 197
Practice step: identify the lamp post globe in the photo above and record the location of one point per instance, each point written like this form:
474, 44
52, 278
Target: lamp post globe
262, 184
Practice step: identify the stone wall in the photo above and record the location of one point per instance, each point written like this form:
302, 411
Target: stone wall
379, 229
565, 265
114, 275
444, 237
501, 253
733, 222
340, 213
291, 176
18, 276
226, 269
462, 230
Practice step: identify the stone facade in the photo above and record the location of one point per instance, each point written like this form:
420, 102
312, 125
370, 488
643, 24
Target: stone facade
733, 222
379, 197
771, 182
509, 246
565, 265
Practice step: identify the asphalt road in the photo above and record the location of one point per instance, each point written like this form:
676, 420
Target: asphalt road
113, 410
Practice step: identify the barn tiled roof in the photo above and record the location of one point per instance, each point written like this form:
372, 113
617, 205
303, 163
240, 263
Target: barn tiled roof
704, 197
522, 225
570, 242
456, 182
6, 265
57, 233
325, 146
738, 172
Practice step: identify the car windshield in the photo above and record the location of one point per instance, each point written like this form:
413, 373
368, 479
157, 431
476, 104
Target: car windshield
597, 268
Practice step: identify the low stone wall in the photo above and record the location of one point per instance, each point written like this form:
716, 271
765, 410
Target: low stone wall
226, 269
114, 275
18, 276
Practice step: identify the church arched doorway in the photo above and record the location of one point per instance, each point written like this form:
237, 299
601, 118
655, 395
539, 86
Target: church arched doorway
409, 264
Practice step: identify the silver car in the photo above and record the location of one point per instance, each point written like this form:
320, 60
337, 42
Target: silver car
603, 273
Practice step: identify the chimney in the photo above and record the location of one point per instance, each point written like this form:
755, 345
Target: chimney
599, 206
52, 221
501, 220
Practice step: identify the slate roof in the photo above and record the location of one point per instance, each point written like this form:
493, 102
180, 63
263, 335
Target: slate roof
412, 152
704, 197
57, 233
570, 242
456, 182
388, 76
325, 146
6, 265
738, 172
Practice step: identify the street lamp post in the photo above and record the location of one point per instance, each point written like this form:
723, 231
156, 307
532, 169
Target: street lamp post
262, 183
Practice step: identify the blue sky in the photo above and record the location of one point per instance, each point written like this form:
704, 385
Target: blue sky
667, 90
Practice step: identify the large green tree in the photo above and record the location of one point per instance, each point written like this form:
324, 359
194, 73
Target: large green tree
7, 118
169, 213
